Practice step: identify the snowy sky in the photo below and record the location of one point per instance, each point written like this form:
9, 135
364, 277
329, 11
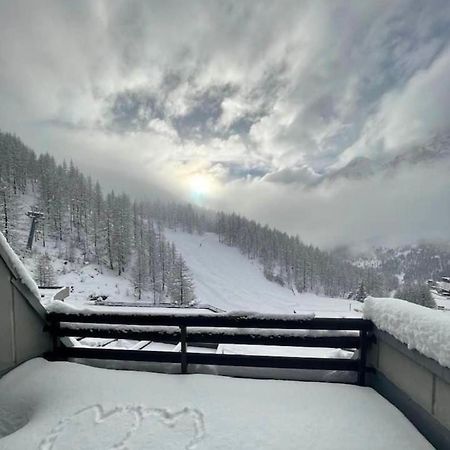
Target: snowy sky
328, 119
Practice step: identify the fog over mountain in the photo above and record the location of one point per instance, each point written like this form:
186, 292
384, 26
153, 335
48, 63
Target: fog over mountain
326, 119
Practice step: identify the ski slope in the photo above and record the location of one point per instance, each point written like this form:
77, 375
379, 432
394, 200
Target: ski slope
229, 280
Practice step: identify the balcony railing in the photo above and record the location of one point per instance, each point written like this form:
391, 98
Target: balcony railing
201, 329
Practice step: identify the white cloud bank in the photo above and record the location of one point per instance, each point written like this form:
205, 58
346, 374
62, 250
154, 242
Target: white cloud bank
265, 98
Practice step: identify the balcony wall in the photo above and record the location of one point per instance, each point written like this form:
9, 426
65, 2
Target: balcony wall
22, 322
415, 384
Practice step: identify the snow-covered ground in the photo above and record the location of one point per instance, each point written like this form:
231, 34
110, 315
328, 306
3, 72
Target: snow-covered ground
60, 405
227, 279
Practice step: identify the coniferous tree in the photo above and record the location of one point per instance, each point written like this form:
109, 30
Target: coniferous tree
45, 273
361, 293
98, 223
417, 293
140, 270
181, 283
8, 211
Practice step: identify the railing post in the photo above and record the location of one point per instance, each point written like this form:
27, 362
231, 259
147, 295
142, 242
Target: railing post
52, 328
184, 362
362, 357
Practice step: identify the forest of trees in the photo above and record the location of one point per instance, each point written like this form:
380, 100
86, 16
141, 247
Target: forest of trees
111, 230
117, 232
285, 259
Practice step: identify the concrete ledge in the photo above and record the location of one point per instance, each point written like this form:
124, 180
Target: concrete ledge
22, 322
422, 360
436, 433
412, 378
418, 386
442, 402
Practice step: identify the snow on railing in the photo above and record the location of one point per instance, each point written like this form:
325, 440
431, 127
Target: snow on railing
423, 329
206, 332
59, 307
243, 328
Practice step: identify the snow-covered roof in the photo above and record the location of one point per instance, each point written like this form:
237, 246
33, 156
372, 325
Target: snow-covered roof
423, 329
17, 267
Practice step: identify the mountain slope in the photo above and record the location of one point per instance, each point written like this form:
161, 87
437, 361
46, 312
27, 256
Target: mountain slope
228, 280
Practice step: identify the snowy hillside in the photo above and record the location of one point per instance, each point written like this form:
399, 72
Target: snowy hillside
223, 276
228, 280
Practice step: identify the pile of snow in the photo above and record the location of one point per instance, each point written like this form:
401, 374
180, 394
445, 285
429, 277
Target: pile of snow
227, 279
423, 329
61, 405
57, 306
18, 267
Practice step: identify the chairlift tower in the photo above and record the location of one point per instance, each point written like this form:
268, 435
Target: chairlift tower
35, 217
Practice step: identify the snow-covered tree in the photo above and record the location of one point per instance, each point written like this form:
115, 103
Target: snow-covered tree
181, 285
417, 293
140, 269
45, 272
361, 293
8, 210
98, 225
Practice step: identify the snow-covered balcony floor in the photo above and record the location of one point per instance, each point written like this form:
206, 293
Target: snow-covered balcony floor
60, 405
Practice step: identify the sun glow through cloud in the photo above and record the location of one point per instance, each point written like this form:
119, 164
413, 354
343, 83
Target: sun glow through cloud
200, 187
200, 184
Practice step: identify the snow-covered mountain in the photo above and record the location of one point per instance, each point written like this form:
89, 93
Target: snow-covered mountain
435, 149
357, 168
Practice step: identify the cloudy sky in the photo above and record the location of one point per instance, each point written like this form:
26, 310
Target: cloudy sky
327, 119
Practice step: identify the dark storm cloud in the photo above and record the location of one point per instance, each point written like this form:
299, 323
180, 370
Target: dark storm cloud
303, 103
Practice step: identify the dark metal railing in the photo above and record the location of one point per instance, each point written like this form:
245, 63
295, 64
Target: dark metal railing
194, 329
